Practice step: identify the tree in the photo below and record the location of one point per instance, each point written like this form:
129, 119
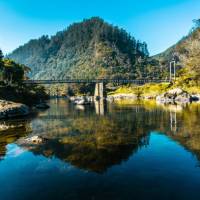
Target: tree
196, 25
1, 58
1, 65
1, 55
11, 72
89, 49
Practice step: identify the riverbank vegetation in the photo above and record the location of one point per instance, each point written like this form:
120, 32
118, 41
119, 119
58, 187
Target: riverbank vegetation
12, 87
186, 53
95, 49
152, 90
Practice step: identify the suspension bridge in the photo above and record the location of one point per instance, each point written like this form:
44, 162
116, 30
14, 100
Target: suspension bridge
99, 83
120, 81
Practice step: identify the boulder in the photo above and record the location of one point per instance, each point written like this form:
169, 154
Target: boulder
4, 126
173, 96
34, 140
122, 96
10, 109
81, 100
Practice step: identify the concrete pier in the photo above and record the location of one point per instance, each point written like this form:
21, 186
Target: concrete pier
99, 91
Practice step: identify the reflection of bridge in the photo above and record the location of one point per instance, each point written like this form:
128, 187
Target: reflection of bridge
99, 83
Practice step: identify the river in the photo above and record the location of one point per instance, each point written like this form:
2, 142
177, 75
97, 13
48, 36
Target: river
136, 150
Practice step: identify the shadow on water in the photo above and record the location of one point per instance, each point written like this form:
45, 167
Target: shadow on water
94, 138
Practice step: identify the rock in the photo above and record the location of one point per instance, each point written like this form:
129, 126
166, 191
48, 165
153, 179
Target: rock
176, 91
34, 140
110, 99
81, 100
174, 95
5, 126
80, 107
149, 97
10, 109
122, 96
42, 106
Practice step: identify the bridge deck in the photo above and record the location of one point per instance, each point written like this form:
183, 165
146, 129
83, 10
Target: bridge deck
136, 81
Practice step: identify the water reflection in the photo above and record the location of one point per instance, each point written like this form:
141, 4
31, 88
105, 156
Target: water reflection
100, 107
11, 131
94, 138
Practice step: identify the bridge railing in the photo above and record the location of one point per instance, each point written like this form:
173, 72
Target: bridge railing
134, 81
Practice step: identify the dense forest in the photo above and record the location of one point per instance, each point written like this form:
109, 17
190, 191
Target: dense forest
12, 87
95, 49
89, 49
187, 55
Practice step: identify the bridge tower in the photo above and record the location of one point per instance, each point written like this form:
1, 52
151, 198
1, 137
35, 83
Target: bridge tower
99, 91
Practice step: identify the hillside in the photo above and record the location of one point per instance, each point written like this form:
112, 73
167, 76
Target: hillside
89, 49
12, 88
187, 54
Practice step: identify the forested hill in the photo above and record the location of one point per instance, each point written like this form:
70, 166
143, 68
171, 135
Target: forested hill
186, 53
89, 49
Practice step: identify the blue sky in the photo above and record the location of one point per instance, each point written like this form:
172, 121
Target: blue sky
160, 23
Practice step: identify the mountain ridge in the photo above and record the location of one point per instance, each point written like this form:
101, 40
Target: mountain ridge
186, 52
92, 48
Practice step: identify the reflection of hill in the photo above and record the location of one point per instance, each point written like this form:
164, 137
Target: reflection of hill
87, 154
92, 142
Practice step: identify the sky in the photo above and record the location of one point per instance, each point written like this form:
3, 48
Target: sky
160, 23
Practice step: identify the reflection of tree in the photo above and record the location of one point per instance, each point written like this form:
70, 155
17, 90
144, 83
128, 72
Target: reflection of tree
14, 132
95, 143
87, 154
92, 142
188, 129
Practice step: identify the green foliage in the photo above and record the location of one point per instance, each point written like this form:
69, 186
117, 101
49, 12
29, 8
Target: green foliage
187, 55
196, 24
11, 72
23, 94
149, 89
11, 83
90, 49
1, 62
1, 55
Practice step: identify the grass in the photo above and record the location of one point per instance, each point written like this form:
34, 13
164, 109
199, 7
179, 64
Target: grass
150, 89
154, 89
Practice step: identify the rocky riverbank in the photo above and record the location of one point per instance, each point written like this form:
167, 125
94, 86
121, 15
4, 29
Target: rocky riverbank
9, 109
81, 100
176, 95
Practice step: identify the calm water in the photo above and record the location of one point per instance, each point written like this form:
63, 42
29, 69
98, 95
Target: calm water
121, 151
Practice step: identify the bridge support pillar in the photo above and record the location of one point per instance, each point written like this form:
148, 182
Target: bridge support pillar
100, 107
99, 91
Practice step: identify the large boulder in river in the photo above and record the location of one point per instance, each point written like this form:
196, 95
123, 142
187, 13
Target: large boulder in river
10, 109
174, 95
